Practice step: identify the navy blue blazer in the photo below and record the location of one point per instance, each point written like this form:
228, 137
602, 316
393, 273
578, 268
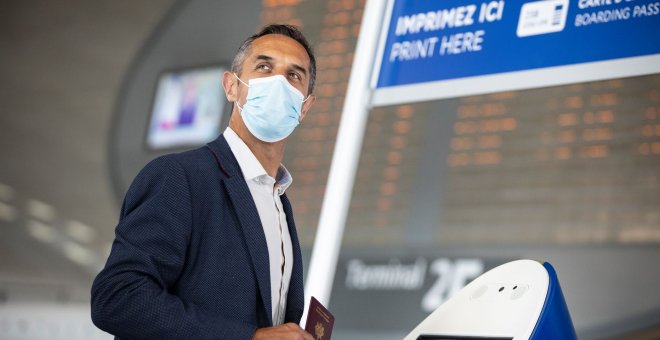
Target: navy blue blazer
190, 259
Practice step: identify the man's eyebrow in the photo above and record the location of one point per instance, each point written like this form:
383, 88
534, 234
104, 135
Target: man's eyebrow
299, 68
263, 57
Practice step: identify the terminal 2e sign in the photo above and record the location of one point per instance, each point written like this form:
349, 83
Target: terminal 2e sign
377, 291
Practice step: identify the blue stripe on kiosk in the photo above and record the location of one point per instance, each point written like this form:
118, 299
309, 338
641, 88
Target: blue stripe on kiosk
555, 321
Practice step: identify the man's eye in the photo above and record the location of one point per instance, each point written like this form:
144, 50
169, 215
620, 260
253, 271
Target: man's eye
263, 67
295, 76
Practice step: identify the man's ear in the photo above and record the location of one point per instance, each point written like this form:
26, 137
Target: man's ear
306, 106
229, 84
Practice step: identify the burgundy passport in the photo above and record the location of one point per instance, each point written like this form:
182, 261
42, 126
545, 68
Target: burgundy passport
319, 321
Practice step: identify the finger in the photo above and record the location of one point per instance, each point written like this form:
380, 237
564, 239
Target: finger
308, 336
292, 326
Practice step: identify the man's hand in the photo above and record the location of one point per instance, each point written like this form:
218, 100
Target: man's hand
287, 331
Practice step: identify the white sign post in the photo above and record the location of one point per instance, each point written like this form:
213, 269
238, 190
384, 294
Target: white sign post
345, 158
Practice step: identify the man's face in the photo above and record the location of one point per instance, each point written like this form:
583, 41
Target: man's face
275, 54
270, 55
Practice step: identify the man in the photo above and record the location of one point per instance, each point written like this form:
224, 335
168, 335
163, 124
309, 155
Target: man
206, 245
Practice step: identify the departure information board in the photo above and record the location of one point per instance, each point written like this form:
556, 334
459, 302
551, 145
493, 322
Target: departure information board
559, 165
564, 164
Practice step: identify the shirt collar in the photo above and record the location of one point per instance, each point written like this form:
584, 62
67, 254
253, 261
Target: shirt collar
250, 165
284, 179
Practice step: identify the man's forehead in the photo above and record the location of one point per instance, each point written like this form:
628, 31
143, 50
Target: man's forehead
277, 46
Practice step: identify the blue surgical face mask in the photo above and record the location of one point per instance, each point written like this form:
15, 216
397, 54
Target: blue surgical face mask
272, 108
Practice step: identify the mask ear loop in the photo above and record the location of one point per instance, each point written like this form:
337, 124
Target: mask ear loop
237, 103
239, 79
304, 100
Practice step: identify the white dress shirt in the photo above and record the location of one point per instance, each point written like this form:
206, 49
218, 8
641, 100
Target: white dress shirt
266, 193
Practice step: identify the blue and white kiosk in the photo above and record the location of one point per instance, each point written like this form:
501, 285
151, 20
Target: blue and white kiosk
517, 300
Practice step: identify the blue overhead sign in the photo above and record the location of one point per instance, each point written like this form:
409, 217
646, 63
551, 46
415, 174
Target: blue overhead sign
430, 41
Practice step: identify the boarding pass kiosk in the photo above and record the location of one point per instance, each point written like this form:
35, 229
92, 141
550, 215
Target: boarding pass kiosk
515, 301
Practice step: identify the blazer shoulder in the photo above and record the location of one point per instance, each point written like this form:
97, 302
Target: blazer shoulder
199, 154
191, 161
182, 167
199, 165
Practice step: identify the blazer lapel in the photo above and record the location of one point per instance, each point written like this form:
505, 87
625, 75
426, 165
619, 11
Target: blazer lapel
296, 298
248, 217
